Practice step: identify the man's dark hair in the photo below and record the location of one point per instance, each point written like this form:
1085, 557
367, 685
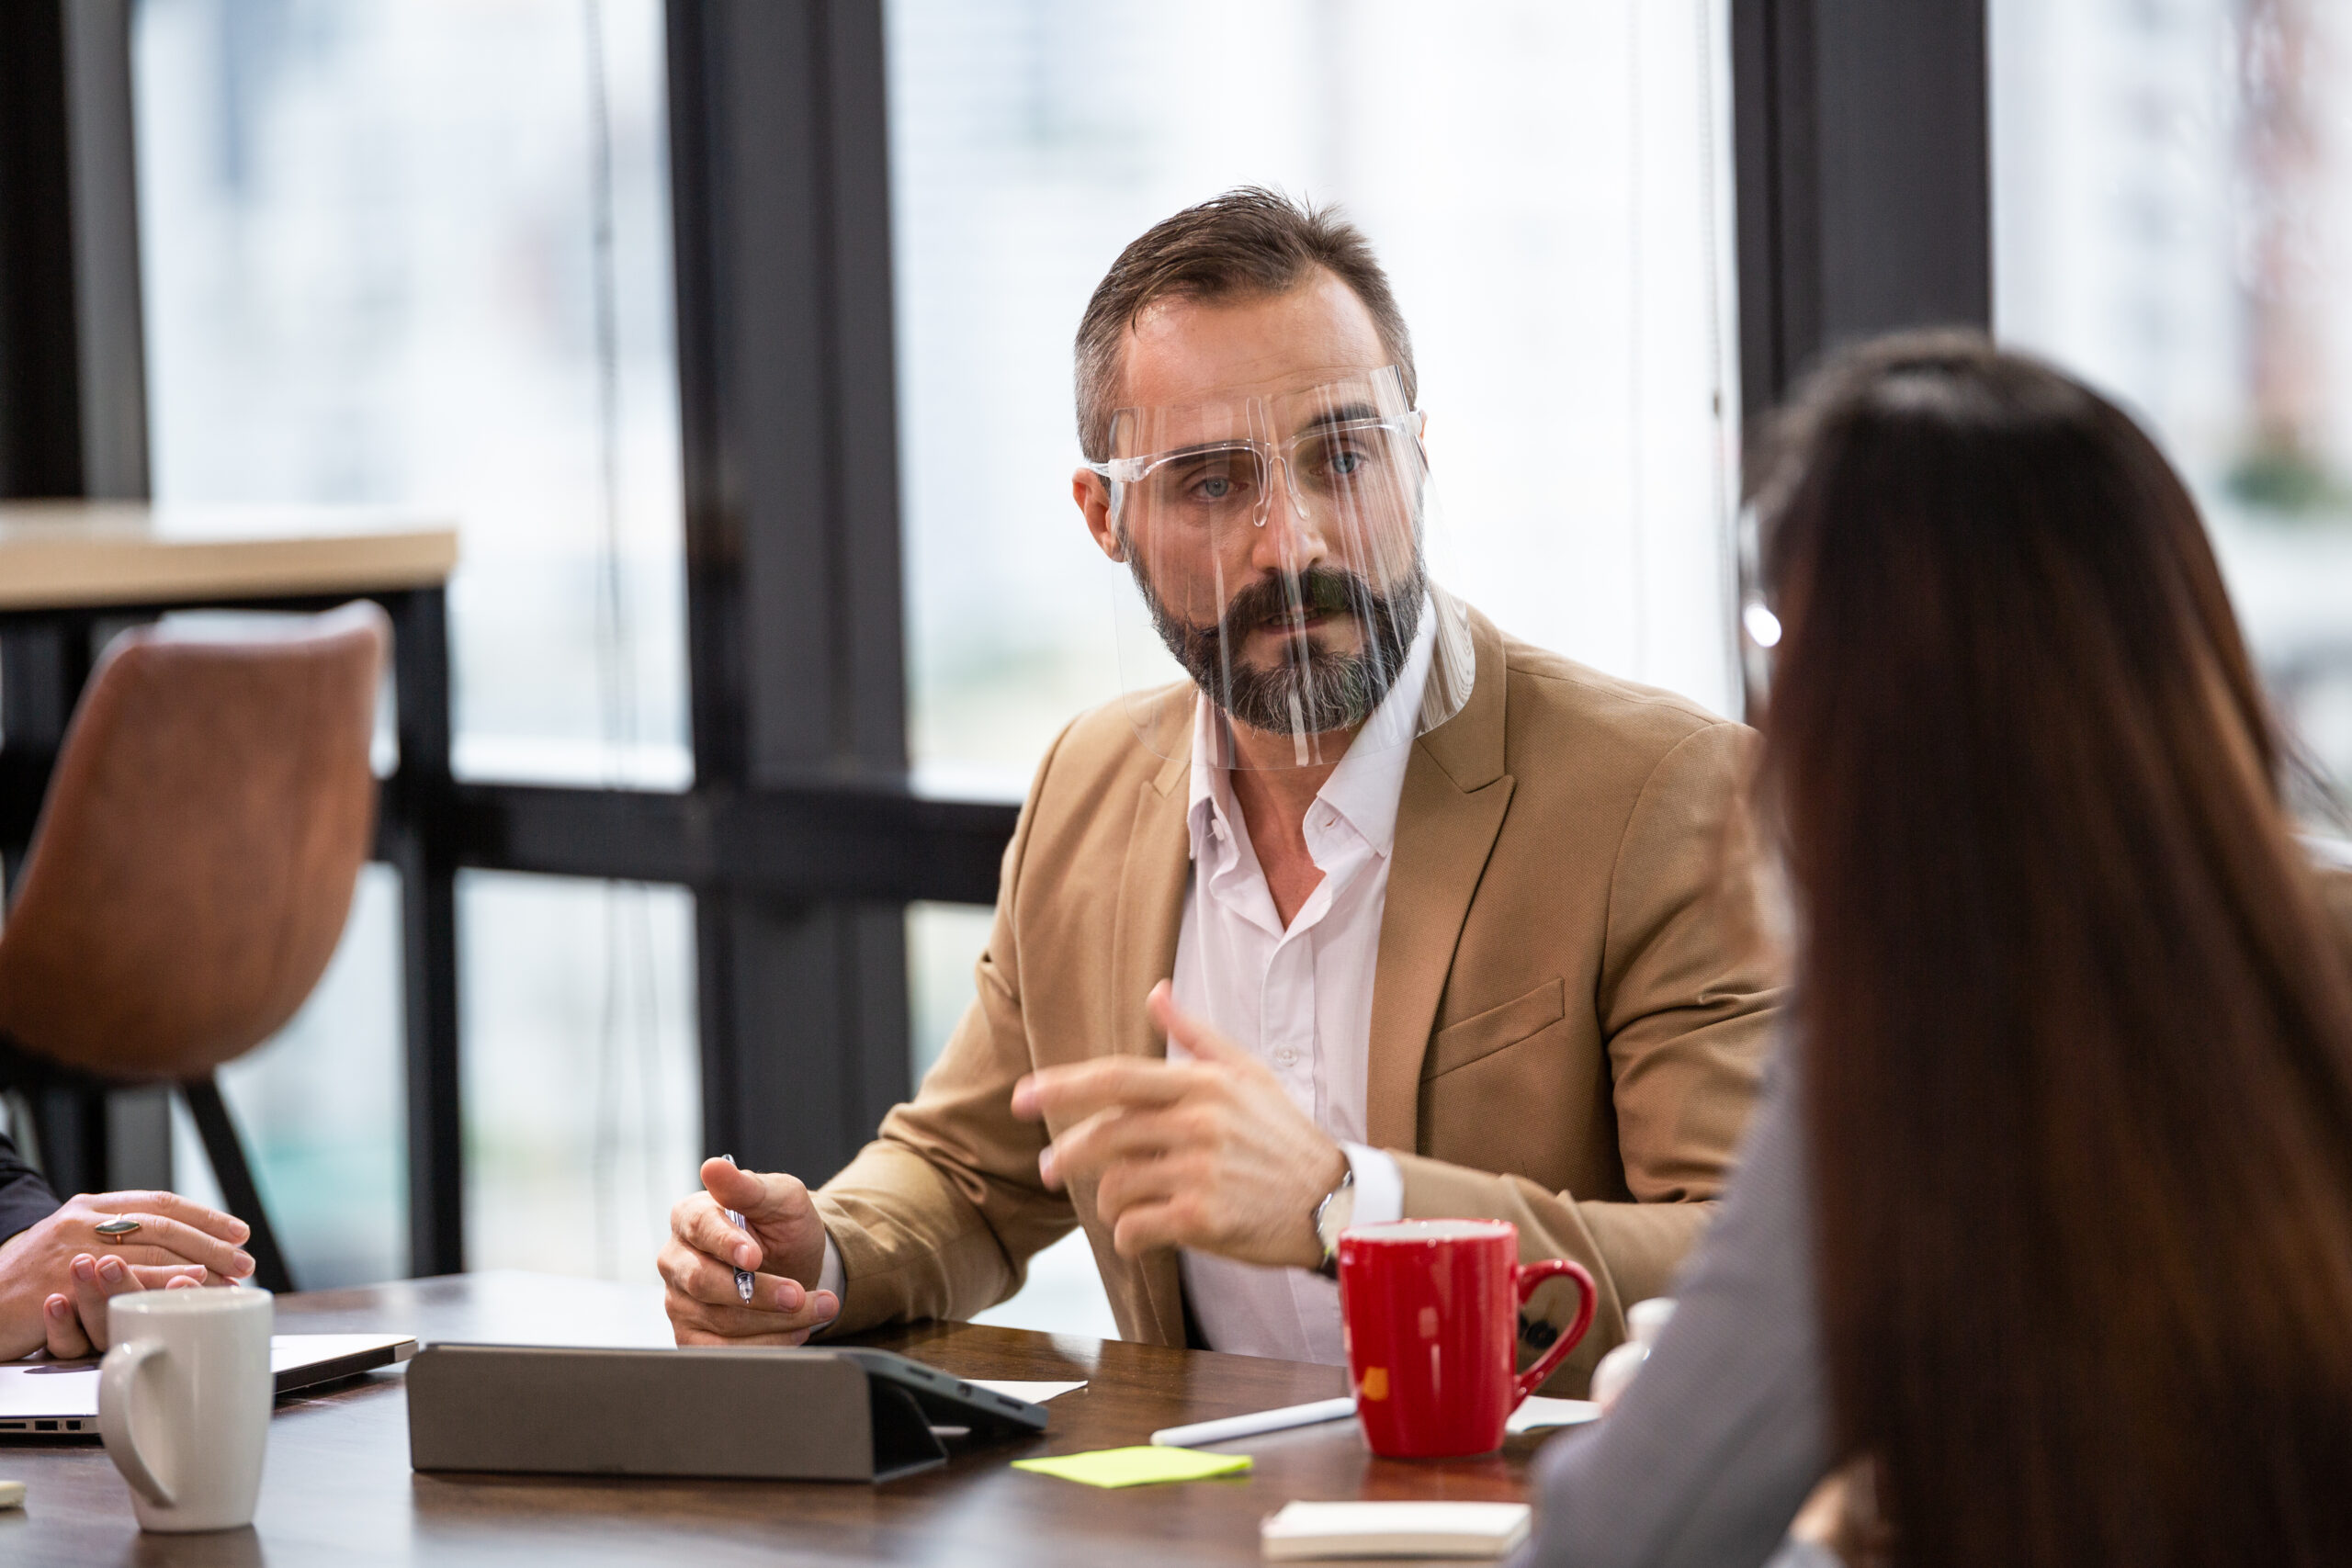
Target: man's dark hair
1247, 242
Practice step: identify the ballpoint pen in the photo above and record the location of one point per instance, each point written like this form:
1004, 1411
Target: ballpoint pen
742, 1276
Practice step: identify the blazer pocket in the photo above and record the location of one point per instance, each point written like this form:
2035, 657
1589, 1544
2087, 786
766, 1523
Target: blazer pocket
1483, 1034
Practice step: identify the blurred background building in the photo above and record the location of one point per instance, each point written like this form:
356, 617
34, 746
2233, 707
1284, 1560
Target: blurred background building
2172, 218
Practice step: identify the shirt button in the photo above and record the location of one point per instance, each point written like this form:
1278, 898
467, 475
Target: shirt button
1285, 1054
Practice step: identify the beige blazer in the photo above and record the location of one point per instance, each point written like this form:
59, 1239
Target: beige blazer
1568, 1028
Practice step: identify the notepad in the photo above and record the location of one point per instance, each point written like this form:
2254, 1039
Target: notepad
1035, 1393
1538, 1413
1303, 1531
1143, 1466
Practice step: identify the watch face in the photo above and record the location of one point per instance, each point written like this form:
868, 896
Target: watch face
1336, 1213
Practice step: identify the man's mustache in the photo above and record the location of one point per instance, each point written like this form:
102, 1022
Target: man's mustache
1308, 689
1318, 590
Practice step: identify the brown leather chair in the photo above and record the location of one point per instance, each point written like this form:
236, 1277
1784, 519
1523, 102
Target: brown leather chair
193, 869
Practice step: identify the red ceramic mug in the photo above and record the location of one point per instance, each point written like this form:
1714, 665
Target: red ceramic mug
1430, 1311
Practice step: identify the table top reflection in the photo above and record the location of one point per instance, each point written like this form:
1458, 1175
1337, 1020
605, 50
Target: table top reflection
338, 1488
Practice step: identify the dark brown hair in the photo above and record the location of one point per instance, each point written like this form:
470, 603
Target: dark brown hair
1247, 242
2078, 1037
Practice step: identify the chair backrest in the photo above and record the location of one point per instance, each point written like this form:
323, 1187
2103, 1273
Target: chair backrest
197, 854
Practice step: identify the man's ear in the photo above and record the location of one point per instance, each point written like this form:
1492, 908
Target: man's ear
1092, 493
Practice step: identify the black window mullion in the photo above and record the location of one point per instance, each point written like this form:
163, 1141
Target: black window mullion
1864, 176
780, 197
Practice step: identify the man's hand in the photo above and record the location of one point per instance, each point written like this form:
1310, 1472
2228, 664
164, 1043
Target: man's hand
75, 1325
55, 1277
1208, 1154
704, 1248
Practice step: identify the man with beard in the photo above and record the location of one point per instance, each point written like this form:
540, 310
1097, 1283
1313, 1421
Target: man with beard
1379, 914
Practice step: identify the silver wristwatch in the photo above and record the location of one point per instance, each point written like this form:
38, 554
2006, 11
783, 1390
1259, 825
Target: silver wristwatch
1331, 1217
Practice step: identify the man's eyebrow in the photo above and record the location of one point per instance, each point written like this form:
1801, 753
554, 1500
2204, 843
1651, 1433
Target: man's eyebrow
1201, 448
1348, 414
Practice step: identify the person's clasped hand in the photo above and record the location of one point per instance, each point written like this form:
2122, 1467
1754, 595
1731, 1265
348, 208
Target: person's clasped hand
781, 1234
57, 1276
1209, 1154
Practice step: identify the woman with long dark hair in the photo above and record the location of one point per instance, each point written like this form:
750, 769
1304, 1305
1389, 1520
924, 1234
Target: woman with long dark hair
2045, 1222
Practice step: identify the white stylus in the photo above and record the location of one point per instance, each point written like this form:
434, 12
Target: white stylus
1251, 1426
743, 1280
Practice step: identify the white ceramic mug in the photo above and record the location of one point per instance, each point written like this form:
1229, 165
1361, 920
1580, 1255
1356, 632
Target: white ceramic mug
1645, 1320
184, 1401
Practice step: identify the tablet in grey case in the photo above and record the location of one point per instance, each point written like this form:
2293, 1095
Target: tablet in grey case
751, 1412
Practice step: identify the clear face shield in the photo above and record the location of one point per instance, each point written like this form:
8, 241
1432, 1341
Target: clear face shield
1277, 548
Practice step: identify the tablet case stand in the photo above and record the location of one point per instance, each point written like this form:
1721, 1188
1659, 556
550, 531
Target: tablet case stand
747, 1412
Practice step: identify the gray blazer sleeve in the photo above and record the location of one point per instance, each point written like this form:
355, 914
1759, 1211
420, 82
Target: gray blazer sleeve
1713, 1447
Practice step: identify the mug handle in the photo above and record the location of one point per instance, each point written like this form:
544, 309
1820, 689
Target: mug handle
117, 1377
1529, 1276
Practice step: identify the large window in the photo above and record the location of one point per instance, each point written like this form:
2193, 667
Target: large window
416, 253
1543, 179
581, 1099
2173, 220
413, 253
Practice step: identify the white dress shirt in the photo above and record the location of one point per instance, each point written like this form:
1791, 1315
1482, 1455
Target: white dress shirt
1299, 999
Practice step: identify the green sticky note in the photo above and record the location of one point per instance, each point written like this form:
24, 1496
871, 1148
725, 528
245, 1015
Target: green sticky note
1136, 1467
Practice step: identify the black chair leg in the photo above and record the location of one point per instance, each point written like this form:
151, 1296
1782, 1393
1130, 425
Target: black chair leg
227, 1153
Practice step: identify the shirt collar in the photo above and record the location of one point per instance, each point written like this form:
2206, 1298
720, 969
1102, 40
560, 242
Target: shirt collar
1364, 788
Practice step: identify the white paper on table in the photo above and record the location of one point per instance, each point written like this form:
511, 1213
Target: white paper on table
1305, 1531
1540, 1412
1035, 1393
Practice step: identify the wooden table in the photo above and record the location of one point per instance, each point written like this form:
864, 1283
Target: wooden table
337, 1488
71, 574
103, 555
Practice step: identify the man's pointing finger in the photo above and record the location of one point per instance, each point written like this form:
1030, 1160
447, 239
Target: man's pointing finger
1085, 1087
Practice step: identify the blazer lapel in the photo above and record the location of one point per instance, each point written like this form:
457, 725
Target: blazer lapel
1143, 952
1451, 807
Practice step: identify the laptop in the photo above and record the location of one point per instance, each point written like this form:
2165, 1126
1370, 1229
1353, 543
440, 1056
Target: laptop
60, 1399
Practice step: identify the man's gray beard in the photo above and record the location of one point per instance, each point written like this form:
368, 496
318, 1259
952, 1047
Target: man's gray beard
1323, 691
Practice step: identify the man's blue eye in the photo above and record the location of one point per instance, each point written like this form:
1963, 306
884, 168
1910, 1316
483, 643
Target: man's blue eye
1346, 463
1216, 487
